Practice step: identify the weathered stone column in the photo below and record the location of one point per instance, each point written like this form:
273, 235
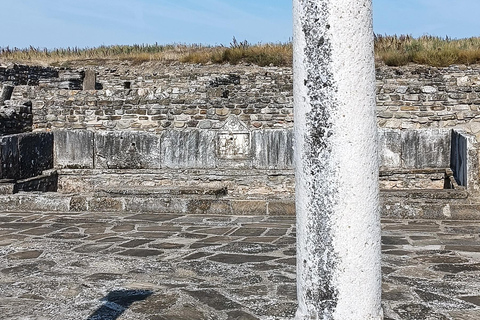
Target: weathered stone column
338, 224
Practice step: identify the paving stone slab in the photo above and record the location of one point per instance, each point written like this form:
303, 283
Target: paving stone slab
92, 265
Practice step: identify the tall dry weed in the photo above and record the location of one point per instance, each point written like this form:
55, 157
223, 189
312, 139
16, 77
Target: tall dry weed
428, 50
391, 50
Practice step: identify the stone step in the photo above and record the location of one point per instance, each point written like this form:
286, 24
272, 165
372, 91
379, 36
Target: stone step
45, 182
164, 191
455, 209
235, 183
179, 204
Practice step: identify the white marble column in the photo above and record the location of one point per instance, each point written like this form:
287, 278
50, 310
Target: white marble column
338, 223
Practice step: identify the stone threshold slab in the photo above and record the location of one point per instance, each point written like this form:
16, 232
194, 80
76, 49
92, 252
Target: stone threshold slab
200, 204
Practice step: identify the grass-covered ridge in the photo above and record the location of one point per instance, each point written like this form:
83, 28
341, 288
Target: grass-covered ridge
390, 50
426, 50
278, 54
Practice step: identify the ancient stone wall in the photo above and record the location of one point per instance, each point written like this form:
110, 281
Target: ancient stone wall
415, 97
231, 125
26, 75
18, 84
15, 118
153, 97
175, 96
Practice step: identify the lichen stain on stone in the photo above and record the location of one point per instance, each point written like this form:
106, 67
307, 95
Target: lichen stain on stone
322, 186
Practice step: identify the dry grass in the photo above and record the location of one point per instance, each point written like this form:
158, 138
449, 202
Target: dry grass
427, 50
391, 50
261, 54
136, 53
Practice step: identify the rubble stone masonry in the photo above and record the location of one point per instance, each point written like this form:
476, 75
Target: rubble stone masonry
158, 97
153, 96
417, 97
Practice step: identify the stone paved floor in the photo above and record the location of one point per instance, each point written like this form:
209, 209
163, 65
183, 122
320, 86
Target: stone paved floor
146, 266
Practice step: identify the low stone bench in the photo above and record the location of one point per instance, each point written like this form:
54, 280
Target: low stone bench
46, 182
425, 178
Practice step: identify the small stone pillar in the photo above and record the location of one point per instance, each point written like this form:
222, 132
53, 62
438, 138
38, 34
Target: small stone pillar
89, 80
6, 94
338, 222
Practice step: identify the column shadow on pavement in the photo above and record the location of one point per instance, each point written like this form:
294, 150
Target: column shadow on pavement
116, 302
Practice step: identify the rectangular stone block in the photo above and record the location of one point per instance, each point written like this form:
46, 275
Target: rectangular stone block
433, 210
414, 149
6, 93
78, 203
126, 150
249, 207
281, 208
35, 151
272, 149
73, 149
6, 188
209, 206
44, 183
465, 211
105, 204
425, 148
459, 157
9, 159
68, 183
389, 148
398, 209
153, 204
41, 202
89, 80
188, 149
233, 145
34, 202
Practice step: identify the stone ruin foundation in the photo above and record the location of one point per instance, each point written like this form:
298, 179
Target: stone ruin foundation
194, 139
176, 132
191, 140
423, 173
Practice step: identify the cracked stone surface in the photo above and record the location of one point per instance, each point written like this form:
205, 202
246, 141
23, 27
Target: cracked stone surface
107, 266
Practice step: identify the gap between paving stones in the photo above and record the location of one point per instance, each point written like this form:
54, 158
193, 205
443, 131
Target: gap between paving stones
61, 266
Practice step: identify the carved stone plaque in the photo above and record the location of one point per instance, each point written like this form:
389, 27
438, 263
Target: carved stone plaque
233, 145
233, 140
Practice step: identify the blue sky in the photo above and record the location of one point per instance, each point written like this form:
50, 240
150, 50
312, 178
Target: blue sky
90, 23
